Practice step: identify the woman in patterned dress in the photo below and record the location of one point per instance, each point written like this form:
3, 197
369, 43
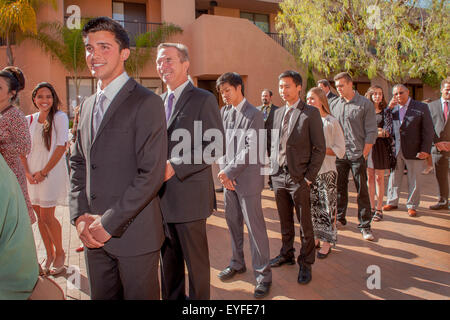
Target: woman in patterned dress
15, 142
323, 189
47, 171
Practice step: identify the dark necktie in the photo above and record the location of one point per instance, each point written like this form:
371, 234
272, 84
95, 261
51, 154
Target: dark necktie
445, 110
284, 137
169, 106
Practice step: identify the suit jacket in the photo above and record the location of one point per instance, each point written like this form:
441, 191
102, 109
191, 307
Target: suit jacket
305, 147
331, 96
242, 160
268, 123
415, 133
189, 195
441, 128
117, 173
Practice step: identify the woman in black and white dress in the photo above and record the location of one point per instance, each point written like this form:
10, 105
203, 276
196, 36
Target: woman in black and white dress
324, 189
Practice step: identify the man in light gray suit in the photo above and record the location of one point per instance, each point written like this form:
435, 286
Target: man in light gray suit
440, 116
243, 181
117, 170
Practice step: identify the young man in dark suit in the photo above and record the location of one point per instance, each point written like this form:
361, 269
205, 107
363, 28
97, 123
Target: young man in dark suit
413, 134
440, 152
297, 155
117, 167
187, 196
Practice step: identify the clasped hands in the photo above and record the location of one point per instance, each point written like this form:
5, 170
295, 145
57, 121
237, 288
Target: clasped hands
227, 182
35, 178
91, 232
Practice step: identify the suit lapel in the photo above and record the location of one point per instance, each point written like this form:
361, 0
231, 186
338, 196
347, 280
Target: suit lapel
119, 99
184, 97
88, 109
295, 115
278, 118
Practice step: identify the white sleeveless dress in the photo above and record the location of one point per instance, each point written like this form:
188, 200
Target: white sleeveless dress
53, 190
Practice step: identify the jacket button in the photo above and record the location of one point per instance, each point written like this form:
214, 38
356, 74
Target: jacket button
93, 196
93, 166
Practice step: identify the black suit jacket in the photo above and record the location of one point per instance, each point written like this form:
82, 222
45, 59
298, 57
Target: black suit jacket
305, 147
268, 123
331, 96
118, 173
415, 134
441, 127
189, 195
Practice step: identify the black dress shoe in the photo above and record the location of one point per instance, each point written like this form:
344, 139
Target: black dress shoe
229, 273
219, 189
323, 255
343, 221
279, 260
304, 275
262, 289
439, 206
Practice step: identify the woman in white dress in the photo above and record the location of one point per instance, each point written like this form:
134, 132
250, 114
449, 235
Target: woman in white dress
324, 189
46, 170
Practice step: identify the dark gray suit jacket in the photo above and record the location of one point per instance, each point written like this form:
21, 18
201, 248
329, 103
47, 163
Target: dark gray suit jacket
189, 195
441, 128
243, 163
305, 148
268, 124
415, 134
119, 172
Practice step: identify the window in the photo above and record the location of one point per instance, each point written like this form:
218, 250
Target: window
132, 16
87, 88
153, 84
260, 20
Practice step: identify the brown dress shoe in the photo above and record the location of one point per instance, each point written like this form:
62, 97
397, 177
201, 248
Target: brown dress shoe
389, 207
412, 212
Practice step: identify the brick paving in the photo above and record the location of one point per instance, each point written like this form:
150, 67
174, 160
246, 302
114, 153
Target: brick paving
413, 255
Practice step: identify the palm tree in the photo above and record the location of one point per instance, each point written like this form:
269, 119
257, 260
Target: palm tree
142, 53
18, 17
65, 45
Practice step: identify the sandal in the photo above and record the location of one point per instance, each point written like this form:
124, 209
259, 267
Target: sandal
378, 216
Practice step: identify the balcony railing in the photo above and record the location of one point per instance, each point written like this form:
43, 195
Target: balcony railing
281, 39
135, 28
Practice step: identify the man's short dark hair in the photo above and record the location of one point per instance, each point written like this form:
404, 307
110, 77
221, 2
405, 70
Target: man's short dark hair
343, 75
294, 75
324, 82
270, 92
108, 24
232, 78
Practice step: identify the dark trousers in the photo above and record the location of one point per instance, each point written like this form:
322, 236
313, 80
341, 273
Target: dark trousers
269, 146
359, 172
290, 196
441, 163
115, 278
185, 242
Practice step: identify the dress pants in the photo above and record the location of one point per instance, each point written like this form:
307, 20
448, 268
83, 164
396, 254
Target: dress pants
359, 172
414, 168
185, 242
240, 209
441, 164
115, 278
289, 196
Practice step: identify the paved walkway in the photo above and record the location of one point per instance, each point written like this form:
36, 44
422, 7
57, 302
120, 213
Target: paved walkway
412, 254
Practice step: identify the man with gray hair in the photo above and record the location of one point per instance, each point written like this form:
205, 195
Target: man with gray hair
413, 134
187, 196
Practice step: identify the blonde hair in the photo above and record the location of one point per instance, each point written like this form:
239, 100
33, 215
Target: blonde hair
322, 98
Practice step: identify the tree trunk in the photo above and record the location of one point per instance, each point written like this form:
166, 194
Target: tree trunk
9, 53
